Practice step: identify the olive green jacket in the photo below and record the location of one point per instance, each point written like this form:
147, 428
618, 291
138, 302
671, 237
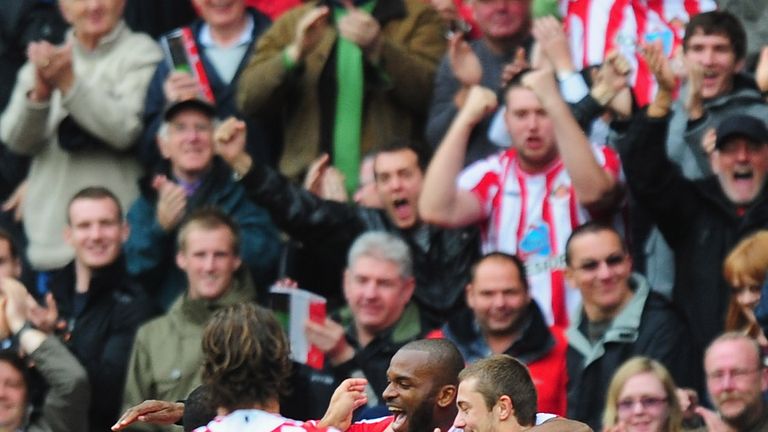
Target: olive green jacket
396, 94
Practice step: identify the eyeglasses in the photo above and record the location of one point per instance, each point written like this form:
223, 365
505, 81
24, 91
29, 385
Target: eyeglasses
181, 128
611, 261
735, 374
648, 403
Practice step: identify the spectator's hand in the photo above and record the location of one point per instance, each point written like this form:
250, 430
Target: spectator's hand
553, 43
610, 79
689, 401
308, 33
708, 140
229, 139
329, 338
694, 103
15, 296
677, 64
615, 71
229, 143
315, 173
464, 62
542, 83
15, 202
712, 420
362, 29
46, 319
515, 67
286, 282
332, 185
659, 65
40, 54
325, 181
152, 412
761, 72
59, 72
180, 86
480, 102
348, 396
613, 74
171, 202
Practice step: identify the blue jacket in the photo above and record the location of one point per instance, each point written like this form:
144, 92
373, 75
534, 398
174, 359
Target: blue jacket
150, 251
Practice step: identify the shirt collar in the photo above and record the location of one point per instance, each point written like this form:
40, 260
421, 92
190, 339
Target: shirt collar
206, 39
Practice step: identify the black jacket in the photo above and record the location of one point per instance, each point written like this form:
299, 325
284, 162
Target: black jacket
441, 271
101, 334
646, 326
698, 221
535, 341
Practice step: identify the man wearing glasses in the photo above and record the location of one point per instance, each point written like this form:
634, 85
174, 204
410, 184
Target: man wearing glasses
736, 380
189, 178
620, 318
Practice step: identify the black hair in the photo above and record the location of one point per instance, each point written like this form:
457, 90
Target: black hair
591, 227
718, 23
514, 259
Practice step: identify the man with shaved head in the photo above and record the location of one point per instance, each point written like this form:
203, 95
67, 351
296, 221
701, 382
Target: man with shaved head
421, 395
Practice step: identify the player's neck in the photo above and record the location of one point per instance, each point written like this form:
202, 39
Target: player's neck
271, 406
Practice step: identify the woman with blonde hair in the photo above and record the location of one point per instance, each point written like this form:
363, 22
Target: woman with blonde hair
745, 270
642, 397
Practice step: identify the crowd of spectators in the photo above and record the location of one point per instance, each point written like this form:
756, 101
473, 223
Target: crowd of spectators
579, 186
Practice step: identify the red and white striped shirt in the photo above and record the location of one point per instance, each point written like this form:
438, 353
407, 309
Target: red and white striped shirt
597, 27
532, 216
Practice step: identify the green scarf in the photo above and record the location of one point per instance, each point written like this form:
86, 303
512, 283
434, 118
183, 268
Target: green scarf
349, 104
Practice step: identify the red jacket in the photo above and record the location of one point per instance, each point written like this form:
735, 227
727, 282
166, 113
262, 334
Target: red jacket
543, 349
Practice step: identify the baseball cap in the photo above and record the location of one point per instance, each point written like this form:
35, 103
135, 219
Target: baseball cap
744, 125
195, 104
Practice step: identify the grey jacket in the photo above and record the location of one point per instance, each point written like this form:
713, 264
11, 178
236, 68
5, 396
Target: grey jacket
647, 326
66, 404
